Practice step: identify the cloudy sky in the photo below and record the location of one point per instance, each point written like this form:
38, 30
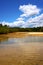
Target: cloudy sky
21, 13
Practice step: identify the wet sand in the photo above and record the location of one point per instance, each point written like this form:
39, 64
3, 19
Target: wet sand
21, 54
36, 33
21, 34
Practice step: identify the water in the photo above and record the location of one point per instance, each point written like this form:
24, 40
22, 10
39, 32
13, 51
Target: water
21, 51
29, 39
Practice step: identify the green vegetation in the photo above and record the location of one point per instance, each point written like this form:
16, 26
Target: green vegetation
6, 29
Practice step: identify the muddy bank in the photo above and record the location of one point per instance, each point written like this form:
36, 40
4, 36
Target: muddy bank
21, 34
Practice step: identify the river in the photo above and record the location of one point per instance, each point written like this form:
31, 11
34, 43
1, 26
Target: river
21, 51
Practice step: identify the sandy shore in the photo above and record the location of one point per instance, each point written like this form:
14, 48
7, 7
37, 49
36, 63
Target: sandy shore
22, 34
19, 35
35, 33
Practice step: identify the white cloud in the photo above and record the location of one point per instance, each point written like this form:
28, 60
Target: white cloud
7, 23
29, 10
27, 19
34, 22
19, 23
36, 19
20, 19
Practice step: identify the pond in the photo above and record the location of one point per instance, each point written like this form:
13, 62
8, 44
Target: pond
21, 51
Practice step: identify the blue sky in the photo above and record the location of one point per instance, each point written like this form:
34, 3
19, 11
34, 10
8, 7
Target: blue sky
21, 13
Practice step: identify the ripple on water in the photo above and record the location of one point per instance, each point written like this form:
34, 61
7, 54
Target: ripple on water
22, 51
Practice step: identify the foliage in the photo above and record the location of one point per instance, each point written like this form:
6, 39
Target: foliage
6, 29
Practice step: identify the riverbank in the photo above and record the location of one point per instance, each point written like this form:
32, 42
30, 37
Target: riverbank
35, 33
21, 34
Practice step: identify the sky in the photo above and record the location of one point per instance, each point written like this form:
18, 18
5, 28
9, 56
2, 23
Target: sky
21, 13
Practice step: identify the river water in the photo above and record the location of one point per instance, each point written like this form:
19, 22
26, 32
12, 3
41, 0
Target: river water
21, 51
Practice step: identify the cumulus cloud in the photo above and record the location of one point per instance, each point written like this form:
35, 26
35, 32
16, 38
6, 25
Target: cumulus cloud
36, 19
6, 23
29, 10
27, 18
34, 22
17, 23
20, 19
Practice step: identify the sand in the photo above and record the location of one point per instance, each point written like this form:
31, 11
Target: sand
35, 33
21, 34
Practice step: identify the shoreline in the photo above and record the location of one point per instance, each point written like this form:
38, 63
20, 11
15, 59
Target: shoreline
35, 33
21, 34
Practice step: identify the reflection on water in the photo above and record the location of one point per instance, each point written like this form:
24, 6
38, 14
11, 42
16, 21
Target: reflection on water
3, 38
22, 51
29, 39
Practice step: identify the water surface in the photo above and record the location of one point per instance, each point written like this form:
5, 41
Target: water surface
28, 39
21, 51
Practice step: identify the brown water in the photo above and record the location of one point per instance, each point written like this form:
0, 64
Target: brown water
21, 51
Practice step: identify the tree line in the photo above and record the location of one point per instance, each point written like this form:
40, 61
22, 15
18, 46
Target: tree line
4, 29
